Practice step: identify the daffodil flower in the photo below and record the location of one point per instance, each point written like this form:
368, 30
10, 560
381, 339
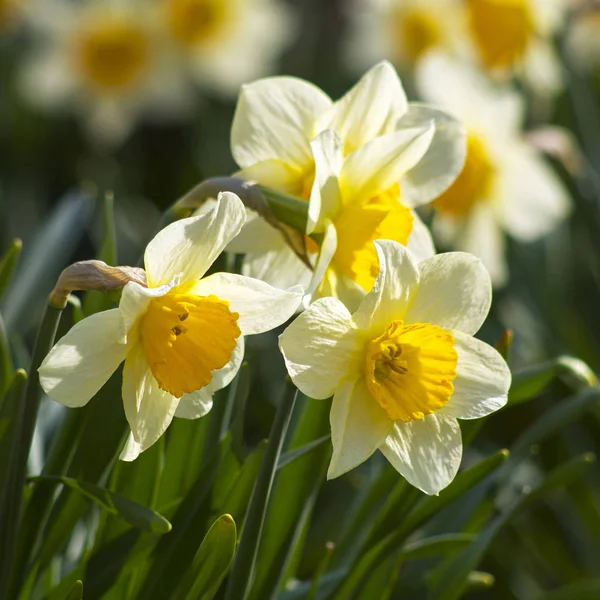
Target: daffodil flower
181, 337
227, 42
402, 30
369, 148
505, 185
104, 61
404, 367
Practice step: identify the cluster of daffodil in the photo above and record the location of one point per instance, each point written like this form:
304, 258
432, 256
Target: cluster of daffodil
119, 60
387, 327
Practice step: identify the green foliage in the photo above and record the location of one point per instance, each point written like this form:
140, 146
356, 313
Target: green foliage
213, 510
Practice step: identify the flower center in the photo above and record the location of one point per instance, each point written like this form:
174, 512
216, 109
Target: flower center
473, 182
419, 31
501, 28
186, 338
410, 368
112, 53
194, 22
359, 224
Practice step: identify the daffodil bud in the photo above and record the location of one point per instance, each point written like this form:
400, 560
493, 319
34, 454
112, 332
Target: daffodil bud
93, 275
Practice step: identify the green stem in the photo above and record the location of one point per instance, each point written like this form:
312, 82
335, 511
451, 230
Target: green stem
22, 441
240, 579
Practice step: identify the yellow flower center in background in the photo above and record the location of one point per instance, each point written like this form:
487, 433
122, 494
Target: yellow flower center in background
418, 29
194, 22
472, 184
186, 338
112, 53
502, 29
359, 224
409, 370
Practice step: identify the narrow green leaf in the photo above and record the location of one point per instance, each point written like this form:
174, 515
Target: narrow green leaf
235, 501
532, 381
463, 482
211, 563
451, 579
580, 590
76, 592
439, 544
293, 497
8, 262
44, 260
553, 420
9, 413
426, 508
6, 362
135, 514
174, 552
245, 559
292, 455
21, 442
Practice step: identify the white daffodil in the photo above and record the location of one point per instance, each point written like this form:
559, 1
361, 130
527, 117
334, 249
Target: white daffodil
104, 61
180, 337
505, 185
511, 35
404, 367
227, 42
289, 136
402, 30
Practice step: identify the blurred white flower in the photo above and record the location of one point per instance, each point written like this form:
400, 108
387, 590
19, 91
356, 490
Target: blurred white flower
102, 59
402, 30
404, 367
505, 185
500, 36
511, 35
227, 42
181, 337
370, 151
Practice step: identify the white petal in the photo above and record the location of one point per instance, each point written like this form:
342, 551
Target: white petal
378, 165
443, 160
195, 405
420, 242
393, 290
427, 452
534, 200
82, 361
320, 348
325, 193
455, 292
358, 427
149, 410
256, 236
326, 252
370, 109
482, 379
135, 299
260, 306
275, 118
190, 246
280, 268
131, 450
